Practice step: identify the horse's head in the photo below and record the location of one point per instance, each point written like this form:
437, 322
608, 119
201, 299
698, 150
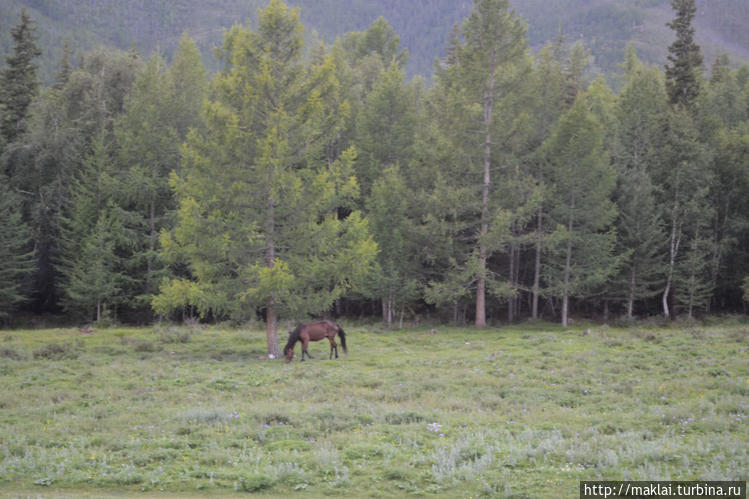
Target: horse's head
288, 353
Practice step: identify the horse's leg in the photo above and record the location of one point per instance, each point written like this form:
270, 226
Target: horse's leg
333, 346
305, 344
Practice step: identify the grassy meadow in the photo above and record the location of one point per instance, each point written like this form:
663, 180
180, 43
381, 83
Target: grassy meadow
517, 411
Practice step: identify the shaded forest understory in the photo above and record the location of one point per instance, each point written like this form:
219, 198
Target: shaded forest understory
306, 179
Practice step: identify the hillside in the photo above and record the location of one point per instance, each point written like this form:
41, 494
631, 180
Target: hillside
604, 26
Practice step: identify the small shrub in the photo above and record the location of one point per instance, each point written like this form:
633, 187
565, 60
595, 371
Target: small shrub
206, 416
12, 353
172, 335
404, 417
56, 351
144, 346
289, 445
255, 482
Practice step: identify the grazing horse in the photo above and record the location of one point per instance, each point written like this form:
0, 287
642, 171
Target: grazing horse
314, 331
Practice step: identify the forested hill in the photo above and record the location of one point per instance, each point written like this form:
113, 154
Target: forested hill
604, 26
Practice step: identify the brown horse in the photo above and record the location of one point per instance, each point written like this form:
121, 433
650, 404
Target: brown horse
314, 331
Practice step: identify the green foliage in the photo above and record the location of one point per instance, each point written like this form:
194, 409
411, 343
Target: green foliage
16, 257
685, 58
307, 176
19, 83
258, 221
582, 245
92, 233
640, 226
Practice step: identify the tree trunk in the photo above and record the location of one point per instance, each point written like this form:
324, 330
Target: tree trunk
565, 293
151, 245
271, 326
605, 310
481, 283
537, 269
631, 299
567, 269
673, 247
511, 301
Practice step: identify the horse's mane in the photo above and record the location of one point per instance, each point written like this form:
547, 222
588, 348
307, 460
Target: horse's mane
293, 338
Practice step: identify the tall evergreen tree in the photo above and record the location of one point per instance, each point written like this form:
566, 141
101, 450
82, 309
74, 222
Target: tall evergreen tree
683, 71
582, 247
385, 127
19, 83
62, 128
683, 178
258, 220
16, 258
640, 228
148, 137
490, 59
92, 235
549, 88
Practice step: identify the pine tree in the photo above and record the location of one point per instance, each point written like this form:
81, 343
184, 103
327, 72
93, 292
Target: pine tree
19, 83
63, 73
16, 257
685, 59
58, 141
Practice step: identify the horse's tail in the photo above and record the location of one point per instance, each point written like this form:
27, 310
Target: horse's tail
293, 338
342, 335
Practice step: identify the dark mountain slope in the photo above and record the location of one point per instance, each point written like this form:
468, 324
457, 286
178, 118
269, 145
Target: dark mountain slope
605, 26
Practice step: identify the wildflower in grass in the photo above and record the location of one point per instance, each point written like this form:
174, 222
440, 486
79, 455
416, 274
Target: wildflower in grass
435, 428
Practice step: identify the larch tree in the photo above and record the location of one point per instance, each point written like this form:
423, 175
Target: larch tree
489, 60
581, 254
681, 174
258, 223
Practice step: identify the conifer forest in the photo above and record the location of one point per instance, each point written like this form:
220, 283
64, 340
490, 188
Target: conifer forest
287, 176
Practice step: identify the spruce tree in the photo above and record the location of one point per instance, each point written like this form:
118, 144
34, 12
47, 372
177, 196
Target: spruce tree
640, 226
92, 234
148, 151
16, 257
19, 83
684, 56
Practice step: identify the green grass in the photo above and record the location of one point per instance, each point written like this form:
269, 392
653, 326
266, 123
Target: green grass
523, 411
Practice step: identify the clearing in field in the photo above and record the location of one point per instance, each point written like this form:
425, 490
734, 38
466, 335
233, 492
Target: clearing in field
512, 412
